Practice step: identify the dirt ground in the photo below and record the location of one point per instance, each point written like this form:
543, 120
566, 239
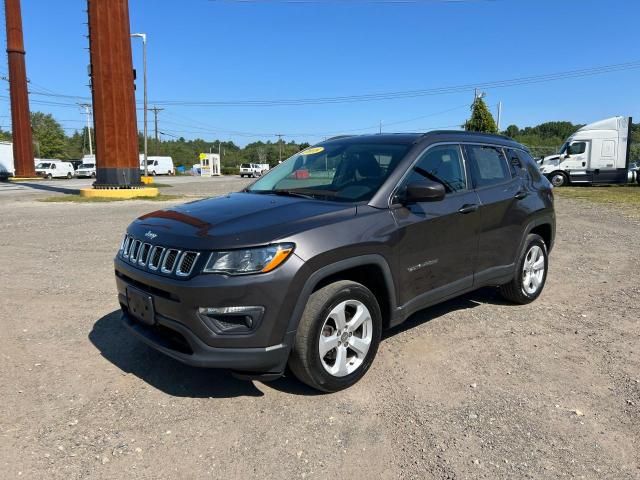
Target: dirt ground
474, 388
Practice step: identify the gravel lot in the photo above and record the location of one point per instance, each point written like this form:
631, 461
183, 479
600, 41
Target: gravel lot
474, 388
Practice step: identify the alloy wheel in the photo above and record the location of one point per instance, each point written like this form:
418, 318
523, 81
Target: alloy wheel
345, 338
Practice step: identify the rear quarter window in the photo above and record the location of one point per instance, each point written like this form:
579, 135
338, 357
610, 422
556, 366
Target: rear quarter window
530, 164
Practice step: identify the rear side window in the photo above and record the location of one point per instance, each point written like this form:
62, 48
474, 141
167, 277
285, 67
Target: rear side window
530, 164
488, 164
442, 164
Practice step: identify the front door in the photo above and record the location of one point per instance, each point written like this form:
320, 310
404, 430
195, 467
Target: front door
576, 161
437, 241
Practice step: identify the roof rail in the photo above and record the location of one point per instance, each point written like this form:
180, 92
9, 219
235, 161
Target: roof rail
466, 132
339, 136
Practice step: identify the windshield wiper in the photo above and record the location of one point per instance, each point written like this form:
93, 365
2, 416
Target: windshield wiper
290, 193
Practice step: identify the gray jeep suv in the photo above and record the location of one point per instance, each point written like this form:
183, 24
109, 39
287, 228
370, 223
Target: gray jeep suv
307, 265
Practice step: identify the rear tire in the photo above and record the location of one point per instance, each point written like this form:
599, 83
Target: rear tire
530, 278
49, 176
69, 176
338, 337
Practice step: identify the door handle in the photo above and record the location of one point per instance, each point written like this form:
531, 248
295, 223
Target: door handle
469, 208
521, 194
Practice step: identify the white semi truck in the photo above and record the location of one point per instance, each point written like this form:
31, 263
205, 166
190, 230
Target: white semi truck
598, 153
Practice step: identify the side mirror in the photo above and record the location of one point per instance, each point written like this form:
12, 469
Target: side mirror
424, 191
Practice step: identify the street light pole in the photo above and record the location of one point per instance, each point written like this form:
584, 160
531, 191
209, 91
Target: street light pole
143, 36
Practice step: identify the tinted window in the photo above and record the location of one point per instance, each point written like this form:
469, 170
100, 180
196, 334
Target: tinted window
530, 164
577, 148
489, 165
442, 164
245, 165
515, 164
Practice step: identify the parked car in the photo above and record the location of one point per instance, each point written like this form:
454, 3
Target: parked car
251, 170
54, 169
307, 270
87, 169
158, 165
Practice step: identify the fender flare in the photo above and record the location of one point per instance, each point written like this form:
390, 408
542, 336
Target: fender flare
316, 277
543, 220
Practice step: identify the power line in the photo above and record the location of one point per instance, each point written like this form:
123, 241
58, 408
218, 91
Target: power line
393, 95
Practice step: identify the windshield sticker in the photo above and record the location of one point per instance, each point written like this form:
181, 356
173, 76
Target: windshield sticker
312, 151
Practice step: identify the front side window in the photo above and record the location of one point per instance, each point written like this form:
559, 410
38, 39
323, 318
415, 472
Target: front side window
343, 171
577, 148
442, 164
488, 164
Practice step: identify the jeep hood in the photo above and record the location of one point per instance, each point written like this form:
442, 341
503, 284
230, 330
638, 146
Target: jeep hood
236, 220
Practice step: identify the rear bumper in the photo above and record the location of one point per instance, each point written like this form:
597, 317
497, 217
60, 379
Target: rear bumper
177, 341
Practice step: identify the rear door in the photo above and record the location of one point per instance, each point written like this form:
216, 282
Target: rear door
436, 241
501, 192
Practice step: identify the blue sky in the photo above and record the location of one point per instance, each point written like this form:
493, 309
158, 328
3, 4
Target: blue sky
202, 50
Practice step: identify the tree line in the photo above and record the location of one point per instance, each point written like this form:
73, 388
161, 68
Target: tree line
543, 139
51, 141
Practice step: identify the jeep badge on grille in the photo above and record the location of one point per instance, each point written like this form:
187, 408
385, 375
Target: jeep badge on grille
150, 235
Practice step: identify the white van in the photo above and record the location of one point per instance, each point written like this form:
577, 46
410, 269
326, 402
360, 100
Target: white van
88, 167
7, 168
54, 169
158, 165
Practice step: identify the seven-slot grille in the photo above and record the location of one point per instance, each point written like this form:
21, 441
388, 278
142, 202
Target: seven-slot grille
169, 261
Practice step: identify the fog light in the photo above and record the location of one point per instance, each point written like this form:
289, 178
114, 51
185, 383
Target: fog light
231, 320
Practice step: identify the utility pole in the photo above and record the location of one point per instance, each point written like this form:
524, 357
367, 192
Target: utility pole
87, 110
20, 115
499, 114
380, 130
156, 111
279, 135
114, 113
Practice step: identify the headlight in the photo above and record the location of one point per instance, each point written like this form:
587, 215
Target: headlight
252, 260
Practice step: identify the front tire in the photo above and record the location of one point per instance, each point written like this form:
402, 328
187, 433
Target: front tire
559, 179
531, 276
338, 337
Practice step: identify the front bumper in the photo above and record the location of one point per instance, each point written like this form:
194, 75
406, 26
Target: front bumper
182, 333
177, 341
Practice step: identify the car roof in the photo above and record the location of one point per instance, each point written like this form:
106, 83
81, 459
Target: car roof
436, 135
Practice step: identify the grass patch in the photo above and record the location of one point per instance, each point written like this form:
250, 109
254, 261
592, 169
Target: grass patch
160, 185
79, 199
627, 195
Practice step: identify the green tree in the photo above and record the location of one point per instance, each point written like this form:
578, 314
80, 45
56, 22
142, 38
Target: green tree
481, 119
512, 131
48, 135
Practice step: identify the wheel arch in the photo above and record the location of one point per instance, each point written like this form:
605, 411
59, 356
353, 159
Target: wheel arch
561, 172
372, 271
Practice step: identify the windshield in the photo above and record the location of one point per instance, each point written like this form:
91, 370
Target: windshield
87, 165
338, 171
563, 148
245, 165
44, 165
